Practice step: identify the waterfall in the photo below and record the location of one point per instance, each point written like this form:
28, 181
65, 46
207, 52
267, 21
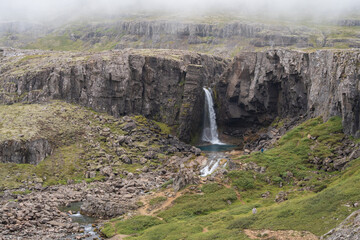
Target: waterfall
210, 133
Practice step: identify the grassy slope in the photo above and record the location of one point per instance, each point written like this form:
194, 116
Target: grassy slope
316, 211
79, 145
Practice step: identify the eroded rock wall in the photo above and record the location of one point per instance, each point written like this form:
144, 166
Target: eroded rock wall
164, 88
260, 86
32, 151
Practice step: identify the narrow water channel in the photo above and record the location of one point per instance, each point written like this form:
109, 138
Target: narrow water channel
73, 210
217, 157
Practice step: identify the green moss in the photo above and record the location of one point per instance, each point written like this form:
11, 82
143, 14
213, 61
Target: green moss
165, 129
166, 184
26, 191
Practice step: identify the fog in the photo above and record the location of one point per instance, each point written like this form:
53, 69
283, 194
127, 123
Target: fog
54, 10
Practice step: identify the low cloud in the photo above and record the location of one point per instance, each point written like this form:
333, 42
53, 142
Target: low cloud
49, 10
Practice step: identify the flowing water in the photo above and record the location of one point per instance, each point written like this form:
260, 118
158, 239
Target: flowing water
216, 150
210, 133
84, 221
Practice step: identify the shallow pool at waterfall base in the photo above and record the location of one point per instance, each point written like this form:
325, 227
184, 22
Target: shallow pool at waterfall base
217, 148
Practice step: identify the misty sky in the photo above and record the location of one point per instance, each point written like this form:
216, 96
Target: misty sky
44, 10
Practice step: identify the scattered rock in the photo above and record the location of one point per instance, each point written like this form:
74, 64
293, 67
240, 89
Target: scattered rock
281, 197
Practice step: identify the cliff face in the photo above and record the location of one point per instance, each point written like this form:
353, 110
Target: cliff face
258, 87
31, 152
162, 85
166, 85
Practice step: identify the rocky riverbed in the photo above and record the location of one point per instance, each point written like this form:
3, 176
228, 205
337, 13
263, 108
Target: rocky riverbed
37, 214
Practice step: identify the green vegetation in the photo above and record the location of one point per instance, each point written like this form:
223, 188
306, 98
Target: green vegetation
317, 200
78, 145
58, 43
165, 129
133, 225
189, 205
26, 191
289, 161
157, 200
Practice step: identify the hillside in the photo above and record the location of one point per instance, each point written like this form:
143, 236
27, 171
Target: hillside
220, 34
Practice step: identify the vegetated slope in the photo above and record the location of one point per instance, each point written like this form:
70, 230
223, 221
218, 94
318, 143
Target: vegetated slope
84, 144
225, 35
283, 183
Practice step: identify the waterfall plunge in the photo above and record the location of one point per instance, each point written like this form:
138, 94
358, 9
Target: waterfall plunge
210, 133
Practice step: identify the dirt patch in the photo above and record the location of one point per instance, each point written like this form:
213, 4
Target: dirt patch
151, 210
280, 235
119, 237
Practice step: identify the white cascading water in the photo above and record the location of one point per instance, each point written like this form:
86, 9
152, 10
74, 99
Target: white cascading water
210, 133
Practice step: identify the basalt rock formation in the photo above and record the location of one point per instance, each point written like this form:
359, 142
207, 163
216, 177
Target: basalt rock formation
32, 152
258, 87
162, 85
166, 85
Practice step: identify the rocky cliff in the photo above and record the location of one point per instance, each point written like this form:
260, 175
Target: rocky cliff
31, 152
260, 86
166, 85
163, 85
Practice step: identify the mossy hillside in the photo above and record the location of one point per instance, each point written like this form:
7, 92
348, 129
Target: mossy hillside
131, 226
34, 121
83, 141
289, 161
307, 208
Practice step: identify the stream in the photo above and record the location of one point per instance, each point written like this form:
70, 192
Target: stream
84, 221
217, 157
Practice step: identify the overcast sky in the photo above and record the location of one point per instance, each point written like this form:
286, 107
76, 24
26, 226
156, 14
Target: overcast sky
43, 10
